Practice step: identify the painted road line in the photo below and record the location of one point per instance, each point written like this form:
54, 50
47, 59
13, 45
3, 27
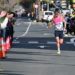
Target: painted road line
36, 42
42, 46
72, 41
33, 42
1, 70
16, 42
46, 34
27, 30
51, 42
25, 33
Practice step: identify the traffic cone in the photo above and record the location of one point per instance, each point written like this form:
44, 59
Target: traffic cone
1, 54
2, 49
8, 43
11, 40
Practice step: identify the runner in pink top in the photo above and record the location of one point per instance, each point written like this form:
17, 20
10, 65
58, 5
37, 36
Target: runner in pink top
60, 24
57, 19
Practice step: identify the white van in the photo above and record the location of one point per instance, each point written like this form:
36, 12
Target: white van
47, 16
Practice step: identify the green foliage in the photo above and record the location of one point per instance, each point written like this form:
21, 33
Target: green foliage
71, 1
32, 1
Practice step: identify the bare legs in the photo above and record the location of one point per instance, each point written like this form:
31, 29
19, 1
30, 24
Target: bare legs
58, 43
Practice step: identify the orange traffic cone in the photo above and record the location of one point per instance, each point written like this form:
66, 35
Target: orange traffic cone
1, 54
2, 49
8, 43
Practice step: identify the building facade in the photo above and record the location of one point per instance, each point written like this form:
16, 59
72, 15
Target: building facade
59, 3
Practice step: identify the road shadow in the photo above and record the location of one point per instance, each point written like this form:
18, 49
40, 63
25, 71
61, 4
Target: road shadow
23, 43
32, 61
9, 73
41, 43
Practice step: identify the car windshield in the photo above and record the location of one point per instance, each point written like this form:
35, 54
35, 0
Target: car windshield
48, 13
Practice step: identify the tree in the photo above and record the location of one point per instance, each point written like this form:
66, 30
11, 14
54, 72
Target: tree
72, 3
1, 3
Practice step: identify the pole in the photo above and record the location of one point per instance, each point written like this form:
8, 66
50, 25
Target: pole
39, 12
48, 5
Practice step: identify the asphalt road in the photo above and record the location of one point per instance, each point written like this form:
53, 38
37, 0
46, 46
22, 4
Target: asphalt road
34, 52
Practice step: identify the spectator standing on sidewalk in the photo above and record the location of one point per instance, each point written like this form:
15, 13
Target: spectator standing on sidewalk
73, 25
3, 25
60, 25
10, 25
68, 23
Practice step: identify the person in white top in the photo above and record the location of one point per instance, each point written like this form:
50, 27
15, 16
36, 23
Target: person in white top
3, 25
5, 21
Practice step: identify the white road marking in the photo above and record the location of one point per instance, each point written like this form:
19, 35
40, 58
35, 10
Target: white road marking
1, 70
16, 42
42, 46
50, 42
72, 41
25, 33
69, 43
33, 42
27, 30
46, 34
18, 24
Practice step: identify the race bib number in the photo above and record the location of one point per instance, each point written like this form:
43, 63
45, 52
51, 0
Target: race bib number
59, 26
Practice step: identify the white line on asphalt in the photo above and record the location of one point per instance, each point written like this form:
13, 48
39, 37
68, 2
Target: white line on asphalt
16, 42
33, 42
24, 34
51, 42
72, 41
46, 34
18, 24
42, 46
27, 29
1, 70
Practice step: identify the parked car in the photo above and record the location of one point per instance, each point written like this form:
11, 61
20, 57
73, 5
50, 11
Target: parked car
47, 16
